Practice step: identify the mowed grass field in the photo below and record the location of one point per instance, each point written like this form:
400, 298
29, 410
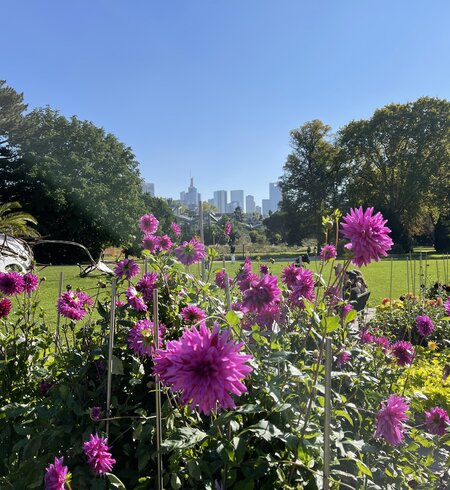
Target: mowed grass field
377, 276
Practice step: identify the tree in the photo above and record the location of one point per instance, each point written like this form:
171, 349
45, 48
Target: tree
313, 180
16, 223
81, 183
399, 160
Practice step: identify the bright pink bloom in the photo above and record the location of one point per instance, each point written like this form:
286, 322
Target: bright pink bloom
192, 314
140, 338
146, 285
424, 325
164, 243
228, 228
135, 299
343, 358
148, 224
382, 342
220, 279
403, 351
290, 274
436, 421
127, 268
365, 337
98, 456
264, 269
5, 307
369, 239
327, 253
303, 287
73, 304
205, 367
261, 294
390, 418
447, 307
56, 475
345, 310
190, 252
245, 277
30, 282
268, 315
176, 229
11, 283
150, 243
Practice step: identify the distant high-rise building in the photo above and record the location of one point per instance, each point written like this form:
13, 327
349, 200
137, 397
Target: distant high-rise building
231, 206
148, 188
220, 201
258, 209
238, 196
274, 195
266, 207
191, 197
250, 204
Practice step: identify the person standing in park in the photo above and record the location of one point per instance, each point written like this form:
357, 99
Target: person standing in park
232, 252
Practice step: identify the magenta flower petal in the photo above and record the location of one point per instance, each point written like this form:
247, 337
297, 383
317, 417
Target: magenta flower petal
190, 252
11, 283
56, 475
437, 421
389, 423
127, 268
148, 224
97, 454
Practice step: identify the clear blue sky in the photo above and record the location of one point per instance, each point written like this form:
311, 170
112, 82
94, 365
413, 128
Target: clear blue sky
211, 88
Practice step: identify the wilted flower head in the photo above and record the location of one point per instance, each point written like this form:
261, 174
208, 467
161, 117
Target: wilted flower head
389, 423
127, 268
5, 307
30, 282
11, 283
436, 421
403, 351
190, 252
192, 314
148, 224
72, 304
176, 229
424, 325
164, 243
97, 453
150, 243
369, 239
261, 293
95, 413
205, 367
141, 338
146, 285
56, 475
135, 299
327, 253
343, 358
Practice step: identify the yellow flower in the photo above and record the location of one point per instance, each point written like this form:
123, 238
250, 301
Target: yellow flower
432, 345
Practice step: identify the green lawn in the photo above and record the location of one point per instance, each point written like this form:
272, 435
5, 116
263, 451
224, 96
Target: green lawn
377, 276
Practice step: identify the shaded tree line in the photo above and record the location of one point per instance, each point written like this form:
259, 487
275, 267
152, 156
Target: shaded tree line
397, 161
80, 183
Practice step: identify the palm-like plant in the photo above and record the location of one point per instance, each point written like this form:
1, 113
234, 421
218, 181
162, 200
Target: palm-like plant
16, 223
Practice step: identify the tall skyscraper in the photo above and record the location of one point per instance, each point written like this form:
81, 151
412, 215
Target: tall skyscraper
238, 196
148, 188
220, 201
250, 204
274, 196
191, 197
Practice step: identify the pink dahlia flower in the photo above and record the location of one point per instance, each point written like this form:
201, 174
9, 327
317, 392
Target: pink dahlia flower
135, 299
289, 275
447, 307
56, 475
73, 304
365, 337
148, 224
176, 229
369, 239
11, 283
150, 243
403, 351
97, 454
5, 307
127, 268
303, 287
389, 423
220, 279
382, 342
164, 243
146, 285
327, 253
264, 269
190, 252
266, 317
261, 294
205, 367
140, 338
30, 282
343, 358
228, 228
192, 314
424, 325
436, 421
346, 310
245, 277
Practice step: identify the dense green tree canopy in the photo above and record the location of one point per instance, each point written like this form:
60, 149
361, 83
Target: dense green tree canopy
80, 183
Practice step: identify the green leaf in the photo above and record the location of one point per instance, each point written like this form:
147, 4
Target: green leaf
117, 365
350, 316
343, 413
183, 438
330, 323
265, 429
233, 319
115, 482
363, 468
